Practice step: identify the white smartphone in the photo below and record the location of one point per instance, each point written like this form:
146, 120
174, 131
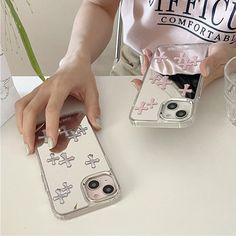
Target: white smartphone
171, 87
76, 173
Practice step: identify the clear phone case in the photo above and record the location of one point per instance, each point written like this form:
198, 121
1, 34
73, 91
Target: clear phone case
76, 174
171, 87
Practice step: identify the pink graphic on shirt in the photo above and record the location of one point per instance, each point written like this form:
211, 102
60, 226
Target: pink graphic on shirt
160, 58
185, 90
185, 62
164, 82
145, 106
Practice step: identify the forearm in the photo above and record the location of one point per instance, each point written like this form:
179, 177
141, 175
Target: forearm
92, 30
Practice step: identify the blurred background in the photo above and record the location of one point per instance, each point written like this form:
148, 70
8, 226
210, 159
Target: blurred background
48, 24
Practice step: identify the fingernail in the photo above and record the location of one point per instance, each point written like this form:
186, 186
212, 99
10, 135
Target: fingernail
98, 122
50, 143
208, 71
27, 150
141, 59
133, 83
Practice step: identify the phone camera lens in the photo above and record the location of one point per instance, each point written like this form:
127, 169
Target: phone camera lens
172, 106
93, 184
108, 189
181, 113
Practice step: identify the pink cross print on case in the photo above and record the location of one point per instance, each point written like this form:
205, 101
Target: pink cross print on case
160, 58
185, 90
152, 103
185, 62
164, 82
141, 108
145, 106
155, 77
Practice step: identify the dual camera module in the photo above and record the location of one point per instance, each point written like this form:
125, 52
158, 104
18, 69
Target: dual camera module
107, 189
180, 113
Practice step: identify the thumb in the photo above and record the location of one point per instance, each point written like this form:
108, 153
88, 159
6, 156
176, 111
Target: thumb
92, 107
144, 64
207, 66
145, 60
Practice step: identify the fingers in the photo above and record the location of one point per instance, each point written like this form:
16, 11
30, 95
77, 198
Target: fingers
30, 113
137, 83
92, 106
147, 52
213, 66
144, 64
20, 106
145, 60
52, 114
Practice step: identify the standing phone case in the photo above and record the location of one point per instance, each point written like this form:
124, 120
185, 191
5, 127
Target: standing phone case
171, 87
76, 174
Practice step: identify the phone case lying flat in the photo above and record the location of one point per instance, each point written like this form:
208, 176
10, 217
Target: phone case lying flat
66, 168
171, 87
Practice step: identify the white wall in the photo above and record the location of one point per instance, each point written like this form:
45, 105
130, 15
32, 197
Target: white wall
49, 29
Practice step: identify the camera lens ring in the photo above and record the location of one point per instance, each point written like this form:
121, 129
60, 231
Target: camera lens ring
108, 189
93, 184
181, 114
172, 105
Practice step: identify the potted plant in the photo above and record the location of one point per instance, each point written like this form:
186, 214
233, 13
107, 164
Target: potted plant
25, 39
8, 92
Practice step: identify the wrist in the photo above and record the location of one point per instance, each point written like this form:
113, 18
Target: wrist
74, 58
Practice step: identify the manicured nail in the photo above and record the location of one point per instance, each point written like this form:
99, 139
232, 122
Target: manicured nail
133, 83
98, 123
144, 51
50, 143
137, 83
141, 59
208, 71
27, 150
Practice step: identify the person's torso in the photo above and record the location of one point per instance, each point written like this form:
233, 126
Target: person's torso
149, 23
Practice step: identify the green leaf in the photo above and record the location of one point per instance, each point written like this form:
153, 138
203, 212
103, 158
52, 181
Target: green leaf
25, 40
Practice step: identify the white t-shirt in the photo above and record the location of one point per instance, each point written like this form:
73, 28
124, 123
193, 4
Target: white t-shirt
149, 23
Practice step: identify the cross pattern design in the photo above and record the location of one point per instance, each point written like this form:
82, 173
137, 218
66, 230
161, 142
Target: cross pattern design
82, 130
73, 134
161, 57
152, 103
185, 90
64, 131
185, 62
53, 158
66, 160
155, 78
164, 82
61, 159
92, 161
62, 192
145, 106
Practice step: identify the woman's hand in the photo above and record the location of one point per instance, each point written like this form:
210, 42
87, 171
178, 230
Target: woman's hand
212, 67
73, 78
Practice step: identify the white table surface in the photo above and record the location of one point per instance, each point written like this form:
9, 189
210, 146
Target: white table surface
174, 181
